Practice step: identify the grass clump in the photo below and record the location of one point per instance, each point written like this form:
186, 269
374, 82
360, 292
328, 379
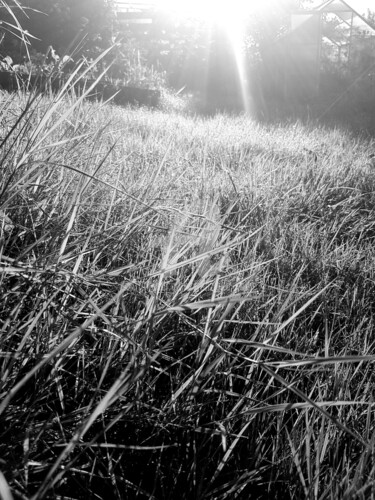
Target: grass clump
186, 305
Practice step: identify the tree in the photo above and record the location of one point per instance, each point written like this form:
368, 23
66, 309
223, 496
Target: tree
179, 47
266, 25
370, 17
64, 23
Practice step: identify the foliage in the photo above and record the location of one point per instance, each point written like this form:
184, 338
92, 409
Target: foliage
129, 66
199, 55
370, 17
64, 25
182, 53
187, 305
62, 29
265, 26
347, 75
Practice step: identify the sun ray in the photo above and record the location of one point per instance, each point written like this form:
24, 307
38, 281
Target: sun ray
227, 17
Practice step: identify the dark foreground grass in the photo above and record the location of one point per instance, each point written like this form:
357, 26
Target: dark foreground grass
187, 306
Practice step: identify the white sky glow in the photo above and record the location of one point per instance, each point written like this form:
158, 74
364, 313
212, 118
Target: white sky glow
230, 15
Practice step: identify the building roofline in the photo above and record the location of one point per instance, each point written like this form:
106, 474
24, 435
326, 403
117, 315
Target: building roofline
328, 2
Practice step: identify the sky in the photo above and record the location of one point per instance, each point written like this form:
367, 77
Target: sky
361, 6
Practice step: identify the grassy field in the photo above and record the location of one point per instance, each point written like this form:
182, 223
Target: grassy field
187, 306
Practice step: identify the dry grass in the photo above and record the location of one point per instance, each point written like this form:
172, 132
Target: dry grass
186, 306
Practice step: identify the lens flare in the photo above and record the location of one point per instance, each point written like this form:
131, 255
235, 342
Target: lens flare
230, 18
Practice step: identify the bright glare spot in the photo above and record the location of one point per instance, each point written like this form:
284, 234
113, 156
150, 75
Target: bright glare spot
229, 15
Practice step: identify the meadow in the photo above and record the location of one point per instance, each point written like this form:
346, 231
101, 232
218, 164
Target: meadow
187, 305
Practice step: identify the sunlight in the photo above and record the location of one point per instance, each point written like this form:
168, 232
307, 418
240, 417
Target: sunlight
230, 17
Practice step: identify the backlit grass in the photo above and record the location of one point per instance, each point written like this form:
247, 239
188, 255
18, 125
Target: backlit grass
187, 305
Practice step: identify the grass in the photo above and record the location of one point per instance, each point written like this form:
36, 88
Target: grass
187, 305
